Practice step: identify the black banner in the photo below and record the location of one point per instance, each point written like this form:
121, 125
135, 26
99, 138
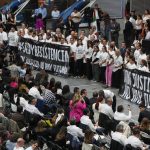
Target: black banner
136, 86
50, 57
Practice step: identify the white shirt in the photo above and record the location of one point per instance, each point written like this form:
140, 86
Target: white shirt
79, 52
96, 112
55, 14
143, 68
146, 18
121, 116
3, 37
35, 93
147, 37
138, 24
33, 110
29, 148
19, 148
72, 47
35, 38
118, 61
3, 18
134, 141
75, 15
87, 121
119, 137
12, 38
136, 54
96, 14
132, 20
141, 56
88, 52
103, 57
131, 66
75, 131
108, 93
107, 110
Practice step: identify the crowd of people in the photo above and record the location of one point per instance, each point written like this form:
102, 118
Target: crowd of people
39, 112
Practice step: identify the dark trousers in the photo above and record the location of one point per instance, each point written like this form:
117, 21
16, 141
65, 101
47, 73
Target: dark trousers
54, 24
114, 103
137, 34
115, 37
88, 69
76, 27
117, 78
71, 65
102, 74
98, 25
79, 67
96, 72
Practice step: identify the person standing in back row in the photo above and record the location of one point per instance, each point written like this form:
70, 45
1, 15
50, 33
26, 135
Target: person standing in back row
76, 18
97, 15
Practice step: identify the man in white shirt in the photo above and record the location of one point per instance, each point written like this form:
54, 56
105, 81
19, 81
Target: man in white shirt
20, 144
34, 146
55, 16
107, 108
30, 107
86, 120
120, 116
3, 37
137, 51
13, 39
134, 140
74, 130
76, 18
118, 135
35, 92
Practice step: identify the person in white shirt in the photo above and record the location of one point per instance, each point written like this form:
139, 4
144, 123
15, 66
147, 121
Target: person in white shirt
120, 116
34, 146
79, 54
134, 140
88, 59
95, 64
143, 66
117, 69
55, 16
137, 51
29, 34
85, 120
141, 56
35, 92
20, 144
74, 130
103, 63
131, 64
76, 18
106, 108
13, 39
118, 135
30, 107
146, 15
138, 26
3, 37
147, 37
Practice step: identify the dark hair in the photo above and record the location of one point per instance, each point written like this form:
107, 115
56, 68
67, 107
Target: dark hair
51, 83
95, 94
88, 138
73, 122
66, 89
83, 91
127, 17
39, 16
144, 62
101, 93
120, 108
76, 89
58, 85
136, 131
86, 111
78, 42
89, 43
142, 105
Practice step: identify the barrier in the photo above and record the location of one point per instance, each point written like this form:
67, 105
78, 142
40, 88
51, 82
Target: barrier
136, 86
50, 57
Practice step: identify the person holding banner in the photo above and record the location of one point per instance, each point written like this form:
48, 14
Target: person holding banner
117, 69
79, 54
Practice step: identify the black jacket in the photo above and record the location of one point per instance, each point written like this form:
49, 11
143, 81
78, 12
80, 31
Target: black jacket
144, 114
